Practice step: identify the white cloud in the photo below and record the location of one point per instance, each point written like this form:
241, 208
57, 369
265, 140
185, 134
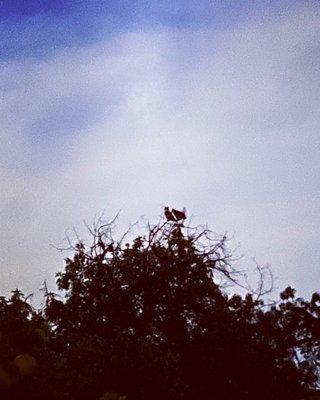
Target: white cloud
225, 123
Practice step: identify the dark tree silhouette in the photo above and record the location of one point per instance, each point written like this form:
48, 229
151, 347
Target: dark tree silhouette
148, 320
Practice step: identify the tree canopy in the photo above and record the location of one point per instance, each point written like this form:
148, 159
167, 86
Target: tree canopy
149, 319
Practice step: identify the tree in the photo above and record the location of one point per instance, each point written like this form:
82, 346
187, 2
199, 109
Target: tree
148, 320
23, 341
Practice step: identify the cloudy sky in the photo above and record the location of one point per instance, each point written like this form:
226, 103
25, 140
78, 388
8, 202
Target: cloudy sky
132, 105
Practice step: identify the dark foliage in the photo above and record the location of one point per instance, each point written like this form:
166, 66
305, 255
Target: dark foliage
147, 320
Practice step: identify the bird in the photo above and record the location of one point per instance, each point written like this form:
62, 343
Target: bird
168, 214
179, 215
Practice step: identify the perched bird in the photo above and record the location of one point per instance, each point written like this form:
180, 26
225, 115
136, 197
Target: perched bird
179, 215
168, 214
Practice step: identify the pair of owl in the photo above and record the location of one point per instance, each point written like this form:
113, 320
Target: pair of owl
175, 215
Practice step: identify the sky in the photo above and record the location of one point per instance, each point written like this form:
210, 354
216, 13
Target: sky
133, 105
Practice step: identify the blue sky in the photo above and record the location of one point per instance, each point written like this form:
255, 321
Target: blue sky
135, 105
40, 28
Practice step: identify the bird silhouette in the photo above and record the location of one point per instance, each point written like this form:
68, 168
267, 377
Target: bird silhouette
179, 215
168, 214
